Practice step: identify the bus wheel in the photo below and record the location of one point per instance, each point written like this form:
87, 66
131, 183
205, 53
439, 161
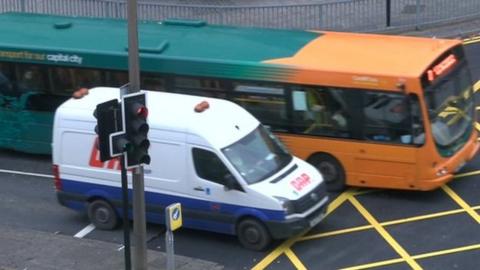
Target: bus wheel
331, 170
102, 215
253, 235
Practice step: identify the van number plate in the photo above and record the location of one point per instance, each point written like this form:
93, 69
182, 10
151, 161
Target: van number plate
316, 220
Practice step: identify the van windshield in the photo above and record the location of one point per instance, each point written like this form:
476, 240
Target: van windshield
258, 155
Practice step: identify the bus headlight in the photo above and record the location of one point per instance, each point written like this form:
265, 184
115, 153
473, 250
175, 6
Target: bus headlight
443, 171
287, 205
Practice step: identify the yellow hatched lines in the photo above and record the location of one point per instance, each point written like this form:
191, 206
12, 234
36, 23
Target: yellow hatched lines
285, 247
476, 86
460, 175
415, 257
295, 260
402, 252
349, 195
461, 202
471, 40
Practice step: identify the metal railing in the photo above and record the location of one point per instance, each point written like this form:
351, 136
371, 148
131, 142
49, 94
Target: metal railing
341, 15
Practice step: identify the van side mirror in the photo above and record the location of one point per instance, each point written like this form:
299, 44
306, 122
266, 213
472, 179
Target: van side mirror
231, 183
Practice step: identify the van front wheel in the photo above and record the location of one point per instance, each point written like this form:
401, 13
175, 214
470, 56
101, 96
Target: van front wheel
331, 170
102, 215
253, 235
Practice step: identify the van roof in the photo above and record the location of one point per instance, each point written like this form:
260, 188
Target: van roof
222, 124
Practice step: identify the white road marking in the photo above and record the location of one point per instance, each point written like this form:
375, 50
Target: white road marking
85, 231
26, 173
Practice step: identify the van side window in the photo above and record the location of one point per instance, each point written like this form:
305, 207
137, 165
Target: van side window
209, 166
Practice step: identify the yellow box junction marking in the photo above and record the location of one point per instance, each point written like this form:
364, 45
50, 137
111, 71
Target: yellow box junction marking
471, 40
416, 257
390, 240
461, 202
285, 246
295, 260
476, 86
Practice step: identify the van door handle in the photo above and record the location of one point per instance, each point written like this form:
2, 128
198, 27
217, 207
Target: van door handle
199, 189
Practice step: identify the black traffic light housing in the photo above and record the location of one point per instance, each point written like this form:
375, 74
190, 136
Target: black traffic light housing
136, 129
109, 120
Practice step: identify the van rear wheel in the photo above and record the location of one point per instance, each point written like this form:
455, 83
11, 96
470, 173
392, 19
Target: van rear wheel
102, 215
253, 235
331, 170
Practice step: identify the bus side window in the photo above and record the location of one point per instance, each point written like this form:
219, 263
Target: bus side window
6, 79
207, 87
32, 78
116, 78
87, 78
266, 102
321, 111
387, 117
418, 131
62, 80
152, 82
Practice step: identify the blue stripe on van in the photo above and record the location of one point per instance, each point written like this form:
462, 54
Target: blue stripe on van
197, 214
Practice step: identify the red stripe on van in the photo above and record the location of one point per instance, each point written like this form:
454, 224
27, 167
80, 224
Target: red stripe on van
56, 178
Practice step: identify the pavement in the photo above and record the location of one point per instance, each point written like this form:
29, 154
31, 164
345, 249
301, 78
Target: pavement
36, 250
24, 250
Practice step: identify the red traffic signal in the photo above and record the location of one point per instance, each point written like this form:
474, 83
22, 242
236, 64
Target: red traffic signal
142, 111
136, 129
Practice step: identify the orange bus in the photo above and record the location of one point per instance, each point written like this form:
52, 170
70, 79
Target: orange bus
367, 110
387, 111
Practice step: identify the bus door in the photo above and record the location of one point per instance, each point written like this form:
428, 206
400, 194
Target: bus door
392, 131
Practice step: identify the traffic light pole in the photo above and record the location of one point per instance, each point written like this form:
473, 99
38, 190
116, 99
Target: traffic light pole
125, 206
139, 220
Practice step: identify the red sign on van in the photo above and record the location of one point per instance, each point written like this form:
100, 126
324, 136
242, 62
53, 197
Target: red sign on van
300, 182
95, 160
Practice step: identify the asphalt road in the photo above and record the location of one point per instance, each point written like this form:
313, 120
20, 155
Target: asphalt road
365, 228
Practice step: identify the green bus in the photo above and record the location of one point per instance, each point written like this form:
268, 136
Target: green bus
45, 58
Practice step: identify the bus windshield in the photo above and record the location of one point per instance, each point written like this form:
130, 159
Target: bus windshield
451, 109
258, 155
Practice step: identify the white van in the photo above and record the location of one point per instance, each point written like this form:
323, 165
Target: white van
230, 174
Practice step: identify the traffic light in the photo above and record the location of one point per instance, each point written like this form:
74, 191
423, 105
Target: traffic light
136, 129
109, 120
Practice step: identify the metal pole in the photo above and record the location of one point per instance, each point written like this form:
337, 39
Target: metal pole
388, 12
417, 14
126, 227
139, 220
169, 245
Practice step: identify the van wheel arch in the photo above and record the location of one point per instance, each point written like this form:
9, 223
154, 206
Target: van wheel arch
102, 214
331, 169
252, 233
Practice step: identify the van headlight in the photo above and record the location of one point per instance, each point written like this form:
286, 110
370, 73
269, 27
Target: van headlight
287, 205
